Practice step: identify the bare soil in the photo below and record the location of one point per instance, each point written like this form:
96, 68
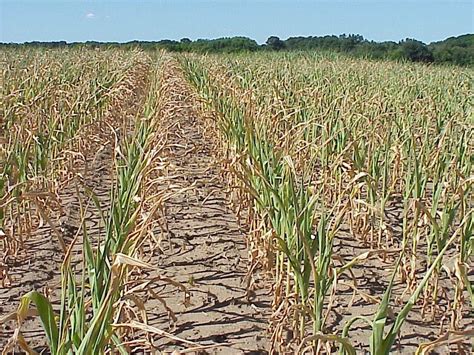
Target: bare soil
205, 249
371, 279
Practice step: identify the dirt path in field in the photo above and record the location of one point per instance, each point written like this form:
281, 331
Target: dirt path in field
38, 265
206, 250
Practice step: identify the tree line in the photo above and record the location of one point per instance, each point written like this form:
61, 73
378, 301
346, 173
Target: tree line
454, 50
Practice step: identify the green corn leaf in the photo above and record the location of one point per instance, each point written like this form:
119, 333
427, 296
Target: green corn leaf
46, 314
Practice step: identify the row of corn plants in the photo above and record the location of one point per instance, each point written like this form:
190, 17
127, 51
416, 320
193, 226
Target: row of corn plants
96, 297
285, 207
48, 98
384, 149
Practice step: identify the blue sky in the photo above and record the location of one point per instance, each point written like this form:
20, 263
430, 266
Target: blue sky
125, 20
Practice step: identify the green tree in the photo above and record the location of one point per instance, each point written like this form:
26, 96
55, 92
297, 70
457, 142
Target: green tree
275, 43
416, 51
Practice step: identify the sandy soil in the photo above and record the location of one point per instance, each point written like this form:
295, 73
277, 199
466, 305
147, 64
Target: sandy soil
206, 249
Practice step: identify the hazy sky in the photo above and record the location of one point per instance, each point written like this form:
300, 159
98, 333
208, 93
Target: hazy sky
125, 20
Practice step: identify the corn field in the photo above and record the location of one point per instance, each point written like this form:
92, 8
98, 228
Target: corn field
329, 151
352, 180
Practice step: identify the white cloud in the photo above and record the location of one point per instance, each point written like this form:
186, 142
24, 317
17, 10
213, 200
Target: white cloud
90, 15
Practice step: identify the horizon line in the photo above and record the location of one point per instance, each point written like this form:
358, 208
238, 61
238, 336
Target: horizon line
224, 37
